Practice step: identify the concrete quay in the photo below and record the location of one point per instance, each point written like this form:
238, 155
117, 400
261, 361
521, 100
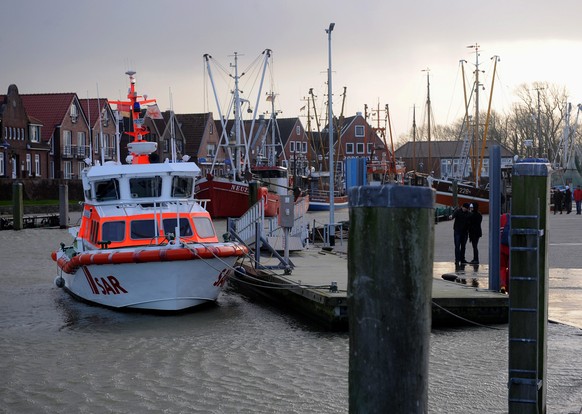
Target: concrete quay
310, 289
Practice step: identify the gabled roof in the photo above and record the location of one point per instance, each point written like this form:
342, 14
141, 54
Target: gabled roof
441, 149
49, 108
193, 126
92, 107
286, 128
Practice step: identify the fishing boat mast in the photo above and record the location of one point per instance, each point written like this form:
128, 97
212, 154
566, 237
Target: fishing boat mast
429, 112
330, 130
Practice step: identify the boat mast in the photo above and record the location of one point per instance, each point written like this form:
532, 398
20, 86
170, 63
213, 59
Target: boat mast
488, 117
330, 130
476, 123
428, 111
414, 138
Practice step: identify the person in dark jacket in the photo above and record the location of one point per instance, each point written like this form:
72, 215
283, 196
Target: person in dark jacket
568, 200
475, 231
558, 200
460, 233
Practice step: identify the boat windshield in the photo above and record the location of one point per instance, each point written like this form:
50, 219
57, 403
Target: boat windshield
204, 227
170, 226
107, 190
182, 186
145, 187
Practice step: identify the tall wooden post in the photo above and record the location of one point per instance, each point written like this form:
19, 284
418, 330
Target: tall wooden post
17, 206
390, 266
63, 206
528, 288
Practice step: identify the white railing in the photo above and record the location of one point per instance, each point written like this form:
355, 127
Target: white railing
246, 226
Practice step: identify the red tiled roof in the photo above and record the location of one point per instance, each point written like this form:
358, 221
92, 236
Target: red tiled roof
92, 107
49, 108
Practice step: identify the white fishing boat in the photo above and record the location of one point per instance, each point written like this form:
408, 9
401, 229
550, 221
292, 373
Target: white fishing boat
144, 241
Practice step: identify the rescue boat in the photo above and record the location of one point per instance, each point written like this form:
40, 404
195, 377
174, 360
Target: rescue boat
144, 241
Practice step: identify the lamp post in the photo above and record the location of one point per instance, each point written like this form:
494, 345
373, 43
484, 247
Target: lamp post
330, 127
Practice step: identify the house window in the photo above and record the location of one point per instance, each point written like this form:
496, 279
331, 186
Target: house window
74, 113
370, 148
81, 166
211, 129
298, 130
179, 145
485, 171
446, 168
292, 146
68, 172
81, 144
67, 143
37, 165
211, 150
28, 164
359, 131
349, 148
360, 148
2, 166
34, 133
304, 144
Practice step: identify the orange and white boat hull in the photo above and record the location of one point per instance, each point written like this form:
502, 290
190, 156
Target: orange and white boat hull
154, 279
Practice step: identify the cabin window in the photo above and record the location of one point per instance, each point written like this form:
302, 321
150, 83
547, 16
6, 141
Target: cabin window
143, 229
113, 231
107, 190
182, 186
204, 227
170, 226
145, 187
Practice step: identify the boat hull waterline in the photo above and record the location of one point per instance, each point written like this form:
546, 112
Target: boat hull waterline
154, 279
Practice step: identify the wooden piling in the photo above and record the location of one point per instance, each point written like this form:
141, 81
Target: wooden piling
63, 206
390, 268
528, 288
17, 206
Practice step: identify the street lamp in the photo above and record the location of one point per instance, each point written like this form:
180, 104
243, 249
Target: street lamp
330, 127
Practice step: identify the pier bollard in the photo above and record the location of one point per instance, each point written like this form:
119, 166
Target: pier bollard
17, 206
390, 271
63, 206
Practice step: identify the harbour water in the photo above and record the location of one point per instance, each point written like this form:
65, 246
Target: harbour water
60, 355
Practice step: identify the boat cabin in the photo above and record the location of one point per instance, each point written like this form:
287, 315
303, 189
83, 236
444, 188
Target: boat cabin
135, 205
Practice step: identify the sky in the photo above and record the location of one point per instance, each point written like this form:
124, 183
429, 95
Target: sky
380, 51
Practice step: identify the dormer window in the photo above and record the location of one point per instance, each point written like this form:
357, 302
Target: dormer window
74, 113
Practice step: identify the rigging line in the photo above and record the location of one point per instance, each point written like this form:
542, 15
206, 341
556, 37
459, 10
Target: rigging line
453, 94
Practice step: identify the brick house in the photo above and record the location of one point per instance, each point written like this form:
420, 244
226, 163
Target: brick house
65, 129
22, 152
444, 158
102, 136
201, 139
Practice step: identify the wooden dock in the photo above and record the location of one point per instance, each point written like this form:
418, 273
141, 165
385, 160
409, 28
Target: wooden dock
317, 289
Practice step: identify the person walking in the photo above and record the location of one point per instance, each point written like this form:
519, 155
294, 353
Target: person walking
558, 200
568, 200
475, 231
505, 228
460, 233
578, 199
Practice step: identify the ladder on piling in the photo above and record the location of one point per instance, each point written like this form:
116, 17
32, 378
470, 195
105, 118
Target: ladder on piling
525, 381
